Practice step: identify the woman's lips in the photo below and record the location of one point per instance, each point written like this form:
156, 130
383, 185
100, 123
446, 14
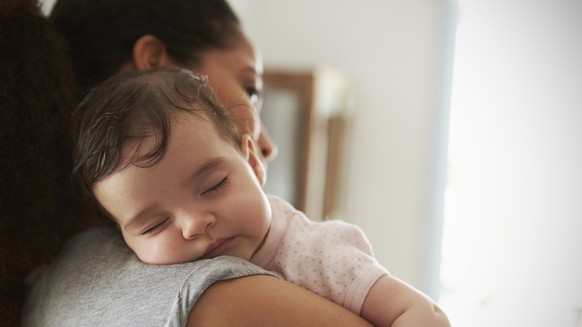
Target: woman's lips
216, 248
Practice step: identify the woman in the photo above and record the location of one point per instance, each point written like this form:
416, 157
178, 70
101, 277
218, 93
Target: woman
96, 280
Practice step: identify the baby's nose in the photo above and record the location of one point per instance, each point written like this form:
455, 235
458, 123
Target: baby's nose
197, 225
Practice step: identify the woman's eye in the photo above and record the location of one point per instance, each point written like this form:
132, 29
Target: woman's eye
217, 187
252, 91
254, 95
154, 227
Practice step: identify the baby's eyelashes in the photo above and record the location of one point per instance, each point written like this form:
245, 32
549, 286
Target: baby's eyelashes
156, 227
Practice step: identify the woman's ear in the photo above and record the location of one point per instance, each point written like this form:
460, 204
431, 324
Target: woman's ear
249, 149
149, 52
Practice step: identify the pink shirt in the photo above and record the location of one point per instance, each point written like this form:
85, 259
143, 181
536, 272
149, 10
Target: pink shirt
333, 258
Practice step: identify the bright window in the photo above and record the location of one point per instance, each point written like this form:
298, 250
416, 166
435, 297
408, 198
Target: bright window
512, 242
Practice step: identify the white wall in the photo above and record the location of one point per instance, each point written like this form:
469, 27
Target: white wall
395, 52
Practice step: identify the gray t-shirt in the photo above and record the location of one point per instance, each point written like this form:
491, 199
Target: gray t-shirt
98, 281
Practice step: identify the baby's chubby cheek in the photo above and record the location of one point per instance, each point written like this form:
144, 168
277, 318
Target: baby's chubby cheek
152, 253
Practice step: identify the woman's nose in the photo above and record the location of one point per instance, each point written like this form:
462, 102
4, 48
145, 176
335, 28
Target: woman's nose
268, 147
198, 224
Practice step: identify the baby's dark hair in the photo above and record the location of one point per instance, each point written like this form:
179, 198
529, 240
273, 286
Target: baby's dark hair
134, 106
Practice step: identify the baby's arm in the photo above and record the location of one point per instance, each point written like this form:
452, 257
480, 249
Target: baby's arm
391, 302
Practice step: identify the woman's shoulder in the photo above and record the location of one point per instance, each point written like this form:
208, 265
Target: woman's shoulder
97, 280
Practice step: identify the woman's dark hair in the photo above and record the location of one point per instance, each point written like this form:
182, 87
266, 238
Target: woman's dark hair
102, 33
133, 106
39, 209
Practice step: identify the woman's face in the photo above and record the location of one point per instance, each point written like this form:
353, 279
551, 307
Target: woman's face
235, 74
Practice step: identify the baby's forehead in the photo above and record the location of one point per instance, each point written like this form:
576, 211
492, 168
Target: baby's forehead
138, 146
143, 138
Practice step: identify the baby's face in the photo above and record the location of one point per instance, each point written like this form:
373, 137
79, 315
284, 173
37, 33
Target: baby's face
201, 200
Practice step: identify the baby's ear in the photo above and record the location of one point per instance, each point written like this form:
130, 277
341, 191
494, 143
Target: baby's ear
249, 150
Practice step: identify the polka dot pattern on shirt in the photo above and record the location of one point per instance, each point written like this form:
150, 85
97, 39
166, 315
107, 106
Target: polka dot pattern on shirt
328, 258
